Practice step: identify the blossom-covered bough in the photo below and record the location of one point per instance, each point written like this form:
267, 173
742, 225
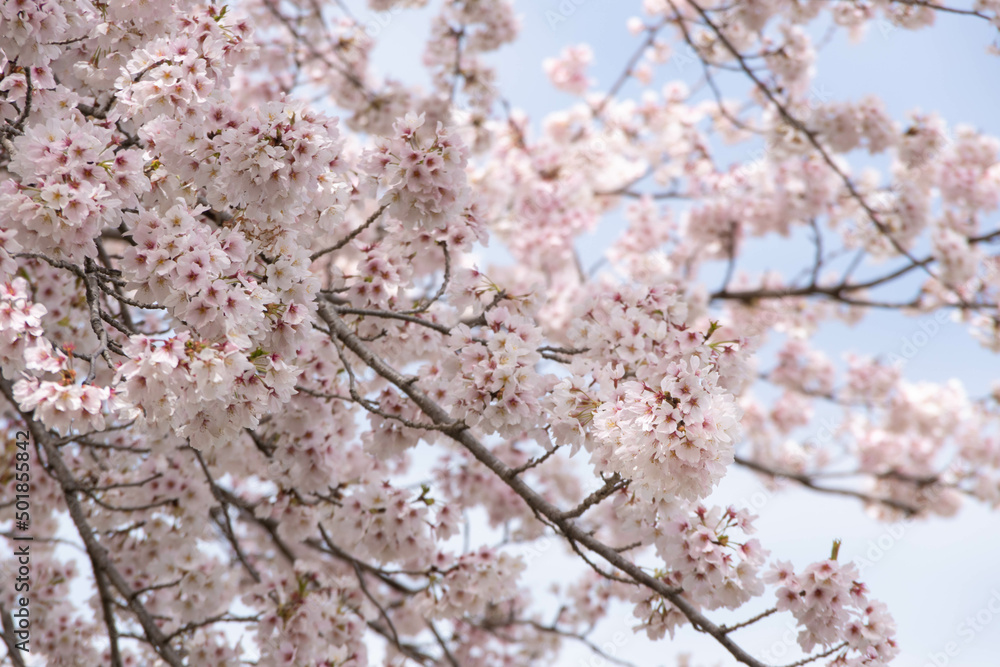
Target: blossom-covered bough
268, 383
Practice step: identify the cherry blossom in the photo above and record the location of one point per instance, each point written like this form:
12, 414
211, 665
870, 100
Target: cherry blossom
319, 363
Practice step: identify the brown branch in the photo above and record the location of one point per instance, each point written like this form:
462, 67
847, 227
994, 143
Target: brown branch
615, 483
807, 481
107, 609
806, 661
591, 646
536, 502
813, 139
388, 314
224, 523
629, 67
750, 621
350, 237
99, 557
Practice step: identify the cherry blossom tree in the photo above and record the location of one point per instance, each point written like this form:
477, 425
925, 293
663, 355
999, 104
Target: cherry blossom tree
271, 380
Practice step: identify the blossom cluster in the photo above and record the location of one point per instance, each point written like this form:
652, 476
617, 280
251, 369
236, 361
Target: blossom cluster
72, 184
201, 389
832, 605
674, 439
707, 558
24, 345
425, 179
499, 387
310, 620
472, 582
662, 414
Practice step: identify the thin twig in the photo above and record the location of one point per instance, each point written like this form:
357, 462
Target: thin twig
353, 235
537, 503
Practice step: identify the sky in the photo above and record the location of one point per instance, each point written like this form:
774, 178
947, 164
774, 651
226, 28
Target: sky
939, 576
